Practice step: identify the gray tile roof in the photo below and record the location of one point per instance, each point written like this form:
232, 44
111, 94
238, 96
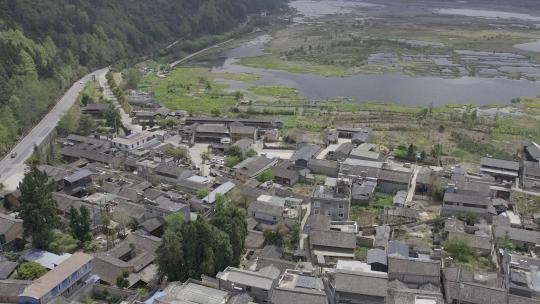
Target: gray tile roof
516, 234
499, 163
83, 173
306, 152
7, 222
255, 279
7, 268
254, 165
463, 285
242, 129
13, 288
533, 150
467, 197
192, 293
395, 176
345, 148
323, 163
416, 267
55, 173
260, 207
376, 255
297, 296
382, 235
331, 238
531, 169
285, 173
318, 222
360, 282
398, 247
211, 128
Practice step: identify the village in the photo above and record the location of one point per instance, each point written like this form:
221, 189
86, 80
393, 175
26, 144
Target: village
334, 219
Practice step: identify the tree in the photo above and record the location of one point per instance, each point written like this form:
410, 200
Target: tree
293, 238
201, 193
170, 255
459, 250
112, 118
79, 223
215, 112
504, 243
123, 219
469, 218
436, 152
86, 125
439, 189
191, 249
38, 209
122, 281
232, 221
265, 176
63, 243
234, 151
251, 153
30, 271
238, 95
275, 236
410, 152
231, 161
132, 76
441, 129
176, 153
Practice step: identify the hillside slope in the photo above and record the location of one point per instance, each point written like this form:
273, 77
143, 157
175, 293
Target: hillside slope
45, 45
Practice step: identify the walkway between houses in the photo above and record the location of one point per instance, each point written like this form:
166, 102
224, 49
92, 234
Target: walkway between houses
412, 185
108, 95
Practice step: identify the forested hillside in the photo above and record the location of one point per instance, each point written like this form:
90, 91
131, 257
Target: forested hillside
45, 45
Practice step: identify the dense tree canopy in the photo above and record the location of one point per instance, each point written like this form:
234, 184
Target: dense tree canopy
38, 209
45, 45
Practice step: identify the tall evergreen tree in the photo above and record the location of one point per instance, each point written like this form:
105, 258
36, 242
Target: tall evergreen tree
79, 223
38, 209
232, 221
170, 257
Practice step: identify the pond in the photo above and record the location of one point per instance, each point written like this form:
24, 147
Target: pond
529, 47
486, 14
389, 87
309, 9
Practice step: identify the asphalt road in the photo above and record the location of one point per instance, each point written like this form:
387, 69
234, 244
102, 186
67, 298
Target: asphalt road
12, 169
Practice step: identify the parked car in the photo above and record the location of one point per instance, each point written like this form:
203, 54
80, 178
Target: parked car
13, 154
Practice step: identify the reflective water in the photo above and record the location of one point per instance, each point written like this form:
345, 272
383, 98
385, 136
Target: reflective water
530, 47
391, 87
486, 14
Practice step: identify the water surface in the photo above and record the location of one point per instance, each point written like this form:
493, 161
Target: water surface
529, 47
486, 14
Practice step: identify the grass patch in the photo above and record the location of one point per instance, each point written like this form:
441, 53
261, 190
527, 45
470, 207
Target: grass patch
370, 214
272, 63
360, 253
242, 77
273, 91
190, 89
303, 189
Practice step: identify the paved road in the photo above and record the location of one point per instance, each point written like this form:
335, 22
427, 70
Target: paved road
177, 62
12, 169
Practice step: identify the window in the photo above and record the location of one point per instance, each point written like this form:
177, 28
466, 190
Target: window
316, 204
341, 215
316, 211
341, 206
